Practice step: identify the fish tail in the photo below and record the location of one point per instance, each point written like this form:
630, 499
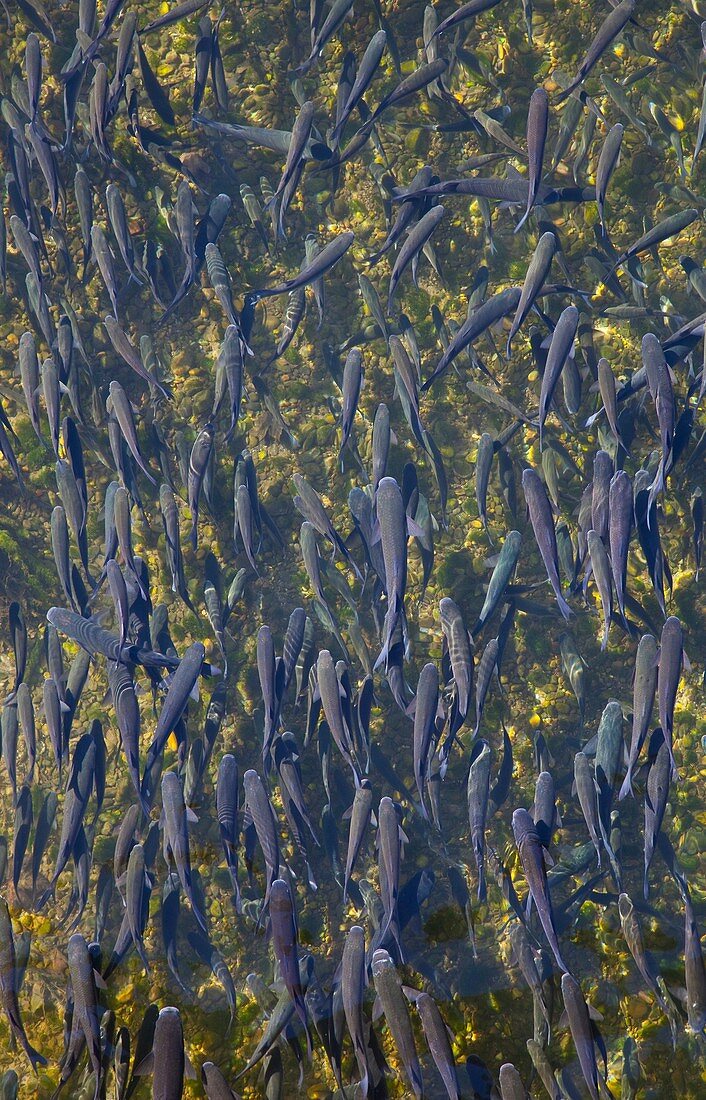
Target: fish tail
563, 606
34, 1056
627, 786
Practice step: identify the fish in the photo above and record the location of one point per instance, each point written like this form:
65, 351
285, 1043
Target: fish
258, 805
198, 462
544, 532
477, 794
644, 692
560, 349
180, 689
532, 860
537, 125
392, 524
9, 988
388, 987
285, 946
497, 307
416, 239
581, 1028
167, 1061
656, 795
535, 278
176, 833
607, 163
609, 30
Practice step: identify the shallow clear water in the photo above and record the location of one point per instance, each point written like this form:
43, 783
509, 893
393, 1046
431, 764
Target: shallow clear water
478, 986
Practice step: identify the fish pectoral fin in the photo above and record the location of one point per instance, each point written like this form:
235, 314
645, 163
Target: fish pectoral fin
189, 1070
99, 980
411, 993
145, 1067
377, 1009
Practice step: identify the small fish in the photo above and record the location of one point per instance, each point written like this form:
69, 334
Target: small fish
608, 31
537, 126
388, 986
644, 691
544, 532
9, 987
532, 860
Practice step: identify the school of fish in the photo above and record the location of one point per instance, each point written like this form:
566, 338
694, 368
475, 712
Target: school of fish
286, 807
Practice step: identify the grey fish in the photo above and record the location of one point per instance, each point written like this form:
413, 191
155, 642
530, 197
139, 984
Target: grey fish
586, 794
128, 352
392, 522
581, 1031
29, 375
644, 691
436, 1034
695, 972
459, 646
333, 698
23, 826
500, 578
535, 278
215, 1085
78, 791
170, 521
136, 885
360, 815
484, 317
324, 260
336, 16
532, 860
285, 946
198, 461
294, 164
9, 987
544, 532
212, 958
607, 32
388, 986
176, 833
560, 350
42, 832
537, 126
180, 688
656, 796
477, 794
484, 459
369, 64
257, 802
85, 995
353, 981
544, 1069
227, 810
389, 844
352, 386
633, 937
466, 11
18, 637
167, 1061
671, 654
511, 1086
600, 566
607, 163
426, 705
413, 245
309, 504
668, 227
